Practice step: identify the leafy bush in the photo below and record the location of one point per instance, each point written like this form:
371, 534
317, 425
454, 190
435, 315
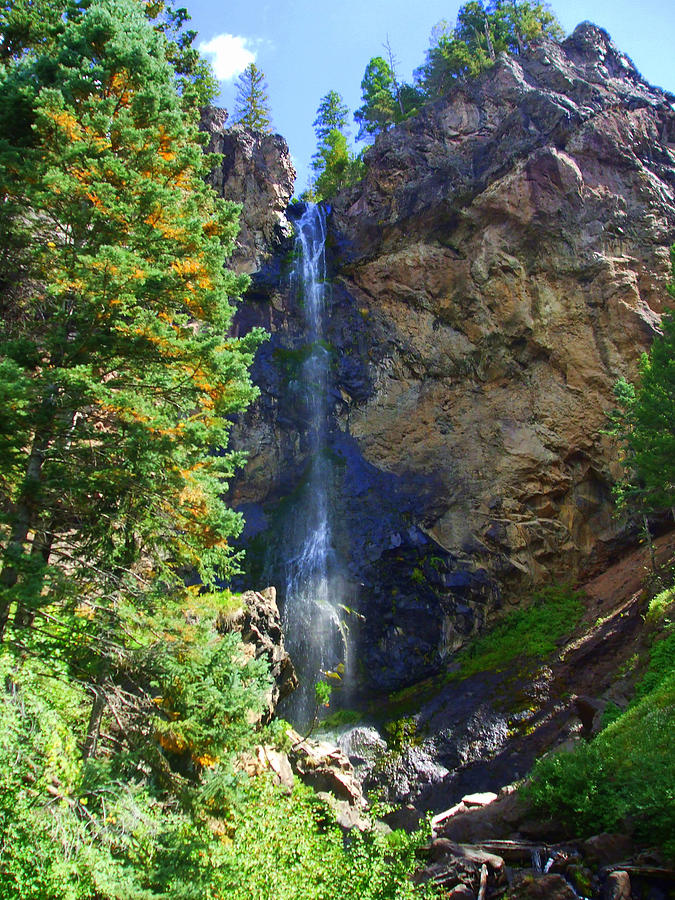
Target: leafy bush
402, 733
289, 848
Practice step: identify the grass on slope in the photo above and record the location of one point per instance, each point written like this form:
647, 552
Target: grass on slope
625, 778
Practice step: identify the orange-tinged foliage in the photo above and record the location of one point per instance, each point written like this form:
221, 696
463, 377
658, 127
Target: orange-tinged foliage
119, 87
206, 760
165, 142
189, 267
174, 743
94, 199
67, 122
212, 228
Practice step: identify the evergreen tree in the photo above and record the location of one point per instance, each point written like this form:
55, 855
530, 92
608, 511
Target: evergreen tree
331, 114
334, 165
252, 106
378, 111
646, 427
482, 31
115, 361
385, 100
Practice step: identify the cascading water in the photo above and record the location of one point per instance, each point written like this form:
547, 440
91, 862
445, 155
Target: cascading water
314, 633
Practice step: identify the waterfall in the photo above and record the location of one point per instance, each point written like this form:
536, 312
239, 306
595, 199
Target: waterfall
314, 633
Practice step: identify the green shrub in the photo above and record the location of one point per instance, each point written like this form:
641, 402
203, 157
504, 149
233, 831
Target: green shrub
290, 848
402, 733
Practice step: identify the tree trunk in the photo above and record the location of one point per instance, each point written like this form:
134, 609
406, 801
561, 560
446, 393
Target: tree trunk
490, 47
650, 544
26, 517
94, 727
42, 546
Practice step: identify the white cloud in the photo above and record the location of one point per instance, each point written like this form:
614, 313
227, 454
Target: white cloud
229, 55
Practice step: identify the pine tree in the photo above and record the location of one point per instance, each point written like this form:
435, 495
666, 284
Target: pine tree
115, 306
379, 99
386, 101
332, 113
333, 164
646, 427
252, 106
482, 31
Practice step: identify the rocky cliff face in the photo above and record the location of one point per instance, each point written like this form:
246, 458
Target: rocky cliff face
503, 262
256, 171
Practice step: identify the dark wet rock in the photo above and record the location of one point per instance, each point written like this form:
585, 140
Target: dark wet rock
365, 748
461, 892
405, 817
544, 887
590, 712
402, 776
499, 819
605, 849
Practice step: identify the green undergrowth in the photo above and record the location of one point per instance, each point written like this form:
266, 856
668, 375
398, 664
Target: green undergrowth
289, 848
527, 633
108, 829
342, 718
624, 779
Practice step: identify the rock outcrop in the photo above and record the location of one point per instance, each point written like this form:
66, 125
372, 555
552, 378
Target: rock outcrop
257, 621
501, 265
509, 248
256, 171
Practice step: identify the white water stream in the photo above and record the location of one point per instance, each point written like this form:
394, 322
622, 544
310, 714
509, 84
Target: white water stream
314, 634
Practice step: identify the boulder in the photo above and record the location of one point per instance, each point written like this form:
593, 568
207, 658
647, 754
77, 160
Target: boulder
605, 849
544, 887
617, 886
325, 768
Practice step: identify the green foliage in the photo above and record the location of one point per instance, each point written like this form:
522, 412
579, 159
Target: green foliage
417, 576
322, 692
402, 733
334, 165
482, 31
644, 426
341, 718
100, 830
104, 831
385, 101
331, 114
662, 607
252, 105
294, 851
113, 340
26, 25
532, 632
626, 776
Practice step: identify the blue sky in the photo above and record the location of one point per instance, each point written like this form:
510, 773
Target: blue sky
308, 47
